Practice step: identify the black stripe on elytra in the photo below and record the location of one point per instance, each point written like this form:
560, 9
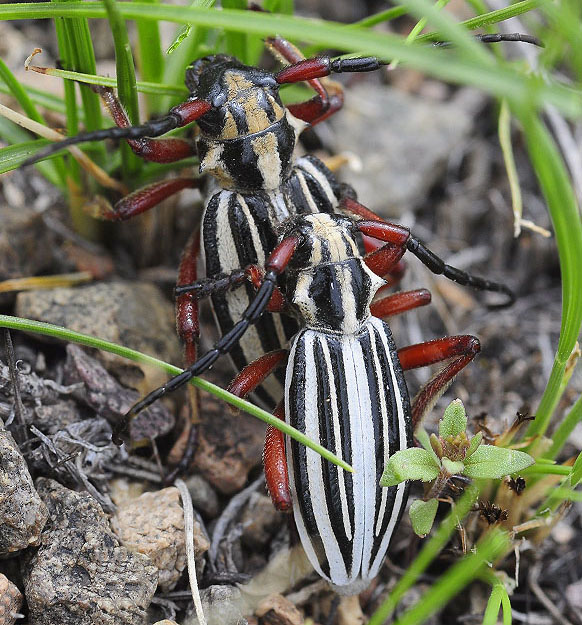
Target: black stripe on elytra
325, 171
318, 194
258, 205
376, 385
242, 231
345, 433
392, 436
219, 301
329, 439
296, 416
295, 196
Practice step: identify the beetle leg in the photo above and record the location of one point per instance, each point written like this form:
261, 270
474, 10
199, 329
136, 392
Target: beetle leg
227, 282
139, 137
142, 199
275, 265
458, 350
157, 150
400, 302
187, 306
399, 236
330, 95
274, 459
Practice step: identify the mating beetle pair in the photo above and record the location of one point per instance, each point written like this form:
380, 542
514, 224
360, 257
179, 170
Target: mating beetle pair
286, 266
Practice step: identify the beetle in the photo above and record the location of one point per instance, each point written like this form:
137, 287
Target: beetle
344, 387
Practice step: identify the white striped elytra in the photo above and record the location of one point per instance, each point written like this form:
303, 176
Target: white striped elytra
345, 389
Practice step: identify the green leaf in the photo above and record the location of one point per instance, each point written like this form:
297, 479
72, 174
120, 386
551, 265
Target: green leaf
453, 467
410, 464
422, 514
490, 462
454, 420
475, 442
424, 439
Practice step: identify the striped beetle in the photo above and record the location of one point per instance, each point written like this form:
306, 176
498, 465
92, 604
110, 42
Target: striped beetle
344, 387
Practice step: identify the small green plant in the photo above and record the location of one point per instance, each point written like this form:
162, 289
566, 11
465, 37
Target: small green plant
448, 454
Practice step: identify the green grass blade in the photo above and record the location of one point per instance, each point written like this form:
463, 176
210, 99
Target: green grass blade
75, 37
13, 134
150, 59
563, 431
42, 98
236, 41
493, 606
383, 16
106, 81
126, 87
506, 605
71, 116
546, 469
493, 545
48, 329
19, 93
12, 156
57, 167
554, 182
494, 17
429, 552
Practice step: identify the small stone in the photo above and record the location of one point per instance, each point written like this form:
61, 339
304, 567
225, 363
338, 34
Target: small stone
81, 575
229, 446
260, 521
390, 130
153, 524
166, 621
110, 400
222, 605
10, 601
22, 512
574, 595
134, 314
276, 610
204, 498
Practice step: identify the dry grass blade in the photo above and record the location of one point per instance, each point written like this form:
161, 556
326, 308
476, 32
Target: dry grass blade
86, 163
189, 531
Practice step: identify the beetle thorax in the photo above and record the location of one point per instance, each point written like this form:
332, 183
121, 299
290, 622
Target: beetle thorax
330, 285
248, 137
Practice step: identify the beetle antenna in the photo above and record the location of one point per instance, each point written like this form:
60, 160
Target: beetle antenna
179, 116
278, 261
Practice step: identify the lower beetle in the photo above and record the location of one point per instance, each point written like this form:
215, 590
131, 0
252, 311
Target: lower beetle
344, 384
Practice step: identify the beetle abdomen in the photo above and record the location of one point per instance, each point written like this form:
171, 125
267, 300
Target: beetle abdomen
348, 393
